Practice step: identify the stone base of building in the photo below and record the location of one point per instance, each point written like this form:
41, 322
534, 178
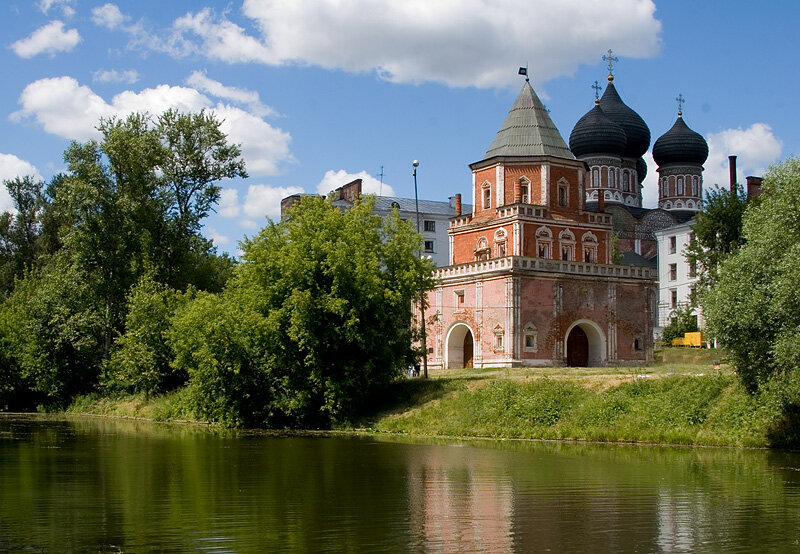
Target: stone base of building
527, 312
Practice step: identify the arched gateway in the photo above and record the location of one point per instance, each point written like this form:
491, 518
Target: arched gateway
585, 344
460, 346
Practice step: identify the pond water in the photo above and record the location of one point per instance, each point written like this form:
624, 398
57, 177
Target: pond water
86, 484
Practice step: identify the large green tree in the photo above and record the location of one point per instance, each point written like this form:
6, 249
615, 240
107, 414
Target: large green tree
129, 206
754, 307
716, 233
317, 319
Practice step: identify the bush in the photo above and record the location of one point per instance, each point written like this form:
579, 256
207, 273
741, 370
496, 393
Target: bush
141, 359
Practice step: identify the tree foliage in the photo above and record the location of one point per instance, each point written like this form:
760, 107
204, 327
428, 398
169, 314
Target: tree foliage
754, 308
128, 208
682, 320
317, 318
716, 233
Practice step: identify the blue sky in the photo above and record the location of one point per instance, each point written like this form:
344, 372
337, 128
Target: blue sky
319, 92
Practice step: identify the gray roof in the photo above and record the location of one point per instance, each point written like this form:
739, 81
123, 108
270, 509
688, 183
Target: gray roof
528, 130
632, 258
384, 203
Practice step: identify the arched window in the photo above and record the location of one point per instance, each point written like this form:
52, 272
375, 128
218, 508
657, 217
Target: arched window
595, 178
612, 182
544, 242
589, 241
524, 191
482, 250
626, 181
487, 198
500, 243
694, 185
680, 186
664, 187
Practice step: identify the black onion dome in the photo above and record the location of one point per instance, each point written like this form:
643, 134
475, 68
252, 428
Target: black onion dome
594, 133
641, 169
680, 145
635, 128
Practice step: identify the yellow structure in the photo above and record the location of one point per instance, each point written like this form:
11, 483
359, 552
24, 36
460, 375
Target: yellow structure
689, 339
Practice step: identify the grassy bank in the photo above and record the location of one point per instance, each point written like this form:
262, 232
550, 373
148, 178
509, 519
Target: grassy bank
678, 400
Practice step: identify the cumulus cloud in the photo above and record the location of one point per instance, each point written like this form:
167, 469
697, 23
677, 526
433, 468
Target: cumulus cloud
369, 184
63, 107
108, 16
265, 201
228, 203
216, 237
249, 98
755, 147
65, 5
129, 76
50, 39
470, 43
650, 183
11, 167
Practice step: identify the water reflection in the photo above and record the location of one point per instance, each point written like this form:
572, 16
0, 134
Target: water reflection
89, 484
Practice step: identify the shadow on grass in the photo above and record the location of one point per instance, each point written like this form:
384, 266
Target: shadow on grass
784, 432
408, 393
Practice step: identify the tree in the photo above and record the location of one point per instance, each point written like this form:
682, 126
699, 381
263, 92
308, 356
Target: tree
141, 359
317, 318
128, 207
20, 230
716, 233
754, 307
682, 320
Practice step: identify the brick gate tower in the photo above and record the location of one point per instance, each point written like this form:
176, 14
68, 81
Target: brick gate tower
531, 280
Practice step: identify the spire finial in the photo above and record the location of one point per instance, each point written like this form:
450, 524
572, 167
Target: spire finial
680, 100
611, 59
596, 86
524, 71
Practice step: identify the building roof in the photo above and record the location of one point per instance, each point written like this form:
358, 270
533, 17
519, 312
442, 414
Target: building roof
636, 130
632, 258
594, 133
433, 207
680, 145
528, 130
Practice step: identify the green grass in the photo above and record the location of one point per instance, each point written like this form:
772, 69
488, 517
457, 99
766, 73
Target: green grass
167, 407
679, 400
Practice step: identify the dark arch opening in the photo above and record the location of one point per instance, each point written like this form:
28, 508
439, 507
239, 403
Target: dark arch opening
577, 348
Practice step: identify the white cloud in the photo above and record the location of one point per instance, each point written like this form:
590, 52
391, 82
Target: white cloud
68, 109
129, 76
228, 203
65, 5
650, 183
216, 237
755, 147
469, 43
369, 184
201, 82
108, 16
11, 167
50, 39
265, 201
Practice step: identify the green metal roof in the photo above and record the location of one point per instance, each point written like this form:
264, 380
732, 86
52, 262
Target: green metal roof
528, 130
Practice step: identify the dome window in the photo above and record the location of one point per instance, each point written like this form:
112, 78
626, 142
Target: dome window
680, 186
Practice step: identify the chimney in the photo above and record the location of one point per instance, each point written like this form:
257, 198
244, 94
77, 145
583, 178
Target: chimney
458, 204
753, 186
732, 162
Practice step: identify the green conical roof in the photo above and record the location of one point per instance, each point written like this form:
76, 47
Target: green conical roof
528, 130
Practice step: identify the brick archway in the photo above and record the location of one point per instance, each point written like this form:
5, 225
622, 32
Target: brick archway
460, 346
593, 342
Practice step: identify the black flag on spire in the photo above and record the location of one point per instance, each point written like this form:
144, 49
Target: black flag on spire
523, 71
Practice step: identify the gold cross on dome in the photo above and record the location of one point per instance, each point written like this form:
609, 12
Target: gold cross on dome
596, 86
611, 59
680, 100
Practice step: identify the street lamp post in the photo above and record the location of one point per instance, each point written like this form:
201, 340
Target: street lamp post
415, 165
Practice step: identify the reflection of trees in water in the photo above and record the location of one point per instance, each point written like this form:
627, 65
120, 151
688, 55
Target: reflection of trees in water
93, 484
